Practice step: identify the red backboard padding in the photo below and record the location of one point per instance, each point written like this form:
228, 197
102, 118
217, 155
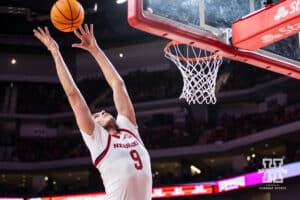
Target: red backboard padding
269, 25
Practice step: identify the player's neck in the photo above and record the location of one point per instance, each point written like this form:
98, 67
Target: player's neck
112, 131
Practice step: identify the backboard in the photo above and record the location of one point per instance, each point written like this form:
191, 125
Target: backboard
207, 24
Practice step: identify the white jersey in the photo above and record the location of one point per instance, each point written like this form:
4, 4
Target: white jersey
122, 160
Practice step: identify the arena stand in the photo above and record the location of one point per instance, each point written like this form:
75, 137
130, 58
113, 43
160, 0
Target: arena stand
175, 128
164, 85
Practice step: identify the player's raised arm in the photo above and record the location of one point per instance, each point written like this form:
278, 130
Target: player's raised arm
82, 112
121, 98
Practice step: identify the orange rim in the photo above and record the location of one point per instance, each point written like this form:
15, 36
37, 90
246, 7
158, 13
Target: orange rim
195, 59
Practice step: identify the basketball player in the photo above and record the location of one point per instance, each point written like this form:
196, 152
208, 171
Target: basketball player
115, 145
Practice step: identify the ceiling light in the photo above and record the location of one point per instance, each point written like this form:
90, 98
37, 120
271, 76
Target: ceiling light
195, 170
121, 1
266, 145
95, 7
46, 178
13, 61
121, 55
253, 155
248, 158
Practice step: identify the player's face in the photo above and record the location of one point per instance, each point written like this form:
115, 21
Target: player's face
105, 119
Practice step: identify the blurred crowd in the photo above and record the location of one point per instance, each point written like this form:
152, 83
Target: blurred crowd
230, 127
94, 183
142, 86
159, 131
244, 76
42, 98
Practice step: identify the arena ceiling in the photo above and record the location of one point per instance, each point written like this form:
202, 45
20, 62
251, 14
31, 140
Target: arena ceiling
19, 17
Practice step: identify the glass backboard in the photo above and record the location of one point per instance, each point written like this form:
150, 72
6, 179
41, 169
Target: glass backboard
207, 24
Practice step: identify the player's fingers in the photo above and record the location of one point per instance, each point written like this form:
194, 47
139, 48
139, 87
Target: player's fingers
47, 30
77, 34
86, 28
35, 30
41, 31
36, 33
76, 45
81, 30
92, 29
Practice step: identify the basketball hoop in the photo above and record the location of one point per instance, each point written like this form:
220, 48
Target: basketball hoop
199, 69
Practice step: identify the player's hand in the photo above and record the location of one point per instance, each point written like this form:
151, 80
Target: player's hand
86, 36
44, 36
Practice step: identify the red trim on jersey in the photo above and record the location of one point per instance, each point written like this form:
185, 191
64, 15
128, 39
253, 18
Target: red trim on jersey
132, 134
116, 136
101, 156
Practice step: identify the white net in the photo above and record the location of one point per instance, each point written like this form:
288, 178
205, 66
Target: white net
199, 69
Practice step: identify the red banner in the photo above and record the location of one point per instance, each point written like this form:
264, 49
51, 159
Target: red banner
161, 192
184, 190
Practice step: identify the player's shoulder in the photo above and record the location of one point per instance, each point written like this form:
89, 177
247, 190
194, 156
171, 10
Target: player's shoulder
123, 122
98, 134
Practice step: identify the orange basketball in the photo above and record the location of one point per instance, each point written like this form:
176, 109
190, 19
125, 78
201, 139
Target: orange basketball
67, 15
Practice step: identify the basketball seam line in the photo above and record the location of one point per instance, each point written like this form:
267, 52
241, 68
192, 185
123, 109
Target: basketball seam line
61, 23
56, 18
61, 12
71, 14
78, 14
63, 29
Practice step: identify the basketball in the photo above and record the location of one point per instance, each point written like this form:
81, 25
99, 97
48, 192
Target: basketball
67, 15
